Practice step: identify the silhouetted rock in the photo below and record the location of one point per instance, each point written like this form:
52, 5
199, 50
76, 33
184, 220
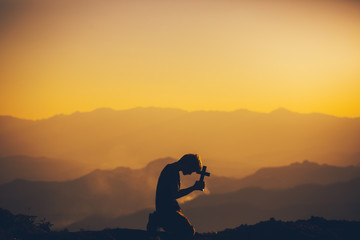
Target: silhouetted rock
20, 226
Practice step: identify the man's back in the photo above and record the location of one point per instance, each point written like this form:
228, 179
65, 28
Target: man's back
167, 187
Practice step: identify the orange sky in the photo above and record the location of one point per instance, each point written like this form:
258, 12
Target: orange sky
63, 56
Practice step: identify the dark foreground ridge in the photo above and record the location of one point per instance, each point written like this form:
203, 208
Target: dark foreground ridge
23, 227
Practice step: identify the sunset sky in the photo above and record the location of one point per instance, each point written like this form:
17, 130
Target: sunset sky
61, 56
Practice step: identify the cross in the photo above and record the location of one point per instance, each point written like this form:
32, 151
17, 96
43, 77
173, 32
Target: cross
203, 173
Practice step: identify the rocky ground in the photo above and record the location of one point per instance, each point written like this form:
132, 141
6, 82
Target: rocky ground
23, 227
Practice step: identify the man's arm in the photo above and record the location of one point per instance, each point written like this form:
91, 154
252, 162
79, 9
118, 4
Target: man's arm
183, 192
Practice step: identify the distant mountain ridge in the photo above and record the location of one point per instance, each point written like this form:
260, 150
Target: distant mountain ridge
236, 143
297, 174
39, 169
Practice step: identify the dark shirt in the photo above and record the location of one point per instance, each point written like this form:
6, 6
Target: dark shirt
167, 188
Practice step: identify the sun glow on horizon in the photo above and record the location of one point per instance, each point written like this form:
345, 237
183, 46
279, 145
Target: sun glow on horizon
67, 56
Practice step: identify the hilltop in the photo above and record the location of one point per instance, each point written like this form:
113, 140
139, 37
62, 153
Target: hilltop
23, 227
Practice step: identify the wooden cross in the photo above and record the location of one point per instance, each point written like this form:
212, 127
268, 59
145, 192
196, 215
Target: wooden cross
203, 173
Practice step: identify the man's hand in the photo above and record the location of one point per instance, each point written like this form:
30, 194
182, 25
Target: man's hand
199, 185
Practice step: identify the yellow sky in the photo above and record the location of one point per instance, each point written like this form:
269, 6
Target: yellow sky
63, 56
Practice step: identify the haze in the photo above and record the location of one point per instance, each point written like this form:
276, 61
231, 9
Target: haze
232, 143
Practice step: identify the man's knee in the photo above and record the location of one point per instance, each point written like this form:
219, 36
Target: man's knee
186, 231
185, 234
178, 225
190, 232
153, 223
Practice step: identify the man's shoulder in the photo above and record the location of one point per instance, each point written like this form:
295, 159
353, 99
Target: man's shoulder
170, 169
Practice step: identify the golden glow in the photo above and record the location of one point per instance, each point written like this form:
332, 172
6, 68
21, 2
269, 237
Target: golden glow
63, 56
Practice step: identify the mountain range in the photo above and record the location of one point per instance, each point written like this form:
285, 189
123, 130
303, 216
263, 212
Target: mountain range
108, 194
39, 169
217, 212
235, 143
251, 205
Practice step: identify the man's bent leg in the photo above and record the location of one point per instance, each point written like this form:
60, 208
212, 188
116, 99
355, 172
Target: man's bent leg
177, 224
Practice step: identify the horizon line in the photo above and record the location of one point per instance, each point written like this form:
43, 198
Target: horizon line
175, 108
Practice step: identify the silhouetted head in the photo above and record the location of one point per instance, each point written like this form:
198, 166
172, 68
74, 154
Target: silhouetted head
190, 163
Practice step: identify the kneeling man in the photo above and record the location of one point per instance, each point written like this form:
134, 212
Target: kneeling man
168, 213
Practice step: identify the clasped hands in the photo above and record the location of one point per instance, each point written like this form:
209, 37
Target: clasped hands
199, 185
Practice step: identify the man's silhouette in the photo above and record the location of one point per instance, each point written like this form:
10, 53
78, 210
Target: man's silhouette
168, 213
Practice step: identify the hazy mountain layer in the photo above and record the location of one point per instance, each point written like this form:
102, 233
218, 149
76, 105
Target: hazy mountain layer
234, 143
122, 191
107, 192
251, 205
39, 169
111, 193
